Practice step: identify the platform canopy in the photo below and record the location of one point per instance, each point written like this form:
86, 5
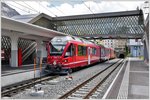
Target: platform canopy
26, 30
125, 24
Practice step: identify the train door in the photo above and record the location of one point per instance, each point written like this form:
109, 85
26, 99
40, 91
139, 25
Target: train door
69, 52
106, 53
69, 55
89, 56
102, 53
74, 53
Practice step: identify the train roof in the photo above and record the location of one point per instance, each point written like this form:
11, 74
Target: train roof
73, 38
65, 39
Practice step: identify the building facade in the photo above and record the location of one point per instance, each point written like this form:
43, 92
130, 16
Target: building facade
116, 44
136, 47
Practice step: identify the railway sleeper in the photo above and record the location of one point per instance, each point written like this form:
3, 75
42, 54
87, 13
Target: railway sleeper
72, 97
86, 88
82, 92
77, 95
94, 95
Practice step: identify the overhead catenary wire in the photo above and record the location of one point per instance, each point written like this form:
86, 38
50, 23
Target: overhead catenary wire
47, 9
58, 9
94, 21
16, 7
88, 7
25, 6
30, 6
98, 5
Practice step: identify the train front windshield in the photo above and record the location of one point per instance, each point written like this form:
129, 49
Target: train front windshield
57, 49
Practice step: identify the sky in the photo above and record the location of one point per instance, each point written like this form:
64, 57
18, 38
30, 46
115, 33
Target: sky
72, 7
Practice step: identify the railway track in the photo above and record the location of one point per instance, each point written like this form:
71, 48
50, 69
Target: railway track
86, 89
12, 90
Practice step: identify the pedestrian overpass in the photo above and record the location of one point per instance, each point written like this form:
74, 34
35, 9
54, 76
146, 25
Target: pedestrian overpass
126, 24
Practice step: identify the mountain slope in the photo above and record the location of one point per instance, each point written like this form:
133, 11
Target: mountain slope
7, 11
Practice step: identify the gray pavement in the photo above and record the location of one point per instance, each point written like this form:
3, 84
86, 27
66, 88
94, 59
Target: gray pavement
138, 79
132, 82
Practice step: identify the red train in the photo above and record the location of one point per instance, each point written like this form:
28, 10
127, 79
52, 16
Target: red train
65, 53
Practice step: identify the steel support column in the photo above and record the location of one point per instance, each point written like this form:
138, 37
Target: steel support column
146, 52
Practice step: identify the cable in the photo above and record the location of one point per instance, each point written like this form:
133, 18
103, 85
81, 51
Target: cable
24, 6
94, 21
47, 9
16, 7
97, 5
30, 6
88, 7
58, 9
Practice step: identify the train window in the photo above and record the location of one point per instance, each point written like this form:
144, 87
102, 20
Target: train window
56, 49
94, 51
82, 50
79, 50
69, 51
102, 52
74, 50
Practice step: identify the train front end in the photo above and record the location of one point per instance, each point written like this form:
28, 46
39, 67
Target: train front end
55, 55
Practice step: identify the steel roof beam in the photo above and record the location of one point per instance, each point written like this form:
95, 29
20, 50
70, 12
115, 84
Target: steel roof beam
100, 15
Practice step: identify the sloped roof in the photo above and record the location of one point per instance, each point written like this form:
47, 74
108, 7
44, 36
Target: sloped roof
31, 18
7, 11
25, 18
28, 28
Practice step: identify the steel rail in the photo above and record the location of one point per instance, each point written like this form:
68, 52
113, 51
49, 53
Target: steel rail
19, 87
85, 82
101, 82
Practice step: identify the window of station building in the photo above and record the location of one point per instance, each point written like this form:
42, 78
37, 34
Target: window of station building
94, 51
82, 50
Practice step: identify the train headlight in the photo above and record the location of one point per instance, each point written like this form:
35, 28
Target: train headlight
65, 60
54, 63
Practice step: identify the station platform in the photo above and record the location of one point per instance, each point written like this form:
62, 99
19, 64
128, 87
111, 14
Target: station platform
138, 80
132, 82
12, 75
8, 70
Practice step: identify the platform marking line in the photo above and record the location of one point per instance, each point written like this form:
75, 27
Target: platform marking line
139, 72
108, 90
123, 91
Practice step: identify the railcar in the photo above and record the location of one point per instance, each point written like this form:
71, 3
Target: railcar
102, 53
109, 53
65, 53
112, 53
